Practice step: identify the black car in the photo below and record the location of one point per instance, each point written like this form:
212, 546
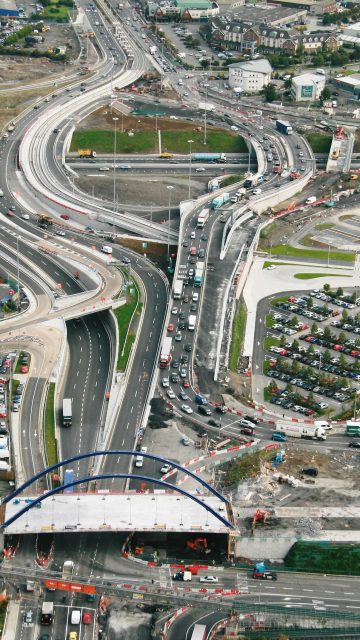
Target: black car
193, 307
204, 410
175, 364
214, 423
354, 445
201, 253
221, 409
310, 471
184, 358
252, 419
182, 325
188, 347
182, 315
174, 377
185, 243
247, 431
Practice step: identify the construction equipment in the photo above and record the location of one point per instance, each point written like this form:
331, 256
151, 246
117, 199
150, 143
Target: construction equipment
199, 544
259, 516
45, 221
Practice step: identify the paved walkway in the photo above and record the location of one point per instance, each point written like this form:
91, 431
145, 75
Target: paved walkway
13, 610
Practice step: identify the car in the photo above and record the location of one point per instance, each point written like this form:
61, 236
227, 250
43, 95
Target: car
165, 468
198, 169
186, 384
178, 336
185, 243
193, 235
188, 347
87, 617
247, 431
174, 377
205, 411
165, 383
125, 260
125, 167
64, 216
183, 395
60, 233
170, 328
24, 368
221, 409
264, 575
251, 419
11, 214
186, 441
28, 617
193, 307
186, 408
310, 471
271, 267
201, 253
204, 237
174, 311
182, 325
279, 437
12, 208
354, 445
214, 423
175, 364
25, 216
170, 394
246, 423
256, 191
104, 169
44, 636
209, 579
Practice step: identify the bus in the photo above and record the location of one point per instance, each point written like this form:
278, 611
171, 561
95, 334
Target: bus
199, 632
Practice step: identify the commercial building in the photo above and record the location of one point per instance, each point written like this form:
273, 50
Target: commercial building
186, 10
307, 86
351, 34
315, 7
348, 83
250, 76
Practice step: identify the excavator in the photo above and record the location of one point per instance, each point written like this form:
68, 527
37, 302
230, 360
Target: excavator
199, 544
259, 516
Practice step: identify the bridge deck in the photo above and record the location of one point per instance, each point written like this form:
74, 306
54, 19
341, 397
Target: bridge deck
117, 512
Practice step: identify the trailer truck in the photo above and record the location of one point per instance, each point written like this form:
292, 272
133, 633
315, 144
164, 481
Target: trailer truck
177, 289
67, 412
220, 200
165, 353
86, 153
209, 157
284, 127
308, 432
202, 218
199, 274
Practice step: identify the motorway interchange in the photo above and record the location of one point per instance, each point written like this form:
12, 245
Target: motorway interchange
70, 335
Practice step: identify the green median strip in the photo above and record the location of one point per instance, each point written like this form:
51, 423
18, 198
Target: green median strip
269, 341
315, 254
310, 276
127, 316
51, 453
237, 336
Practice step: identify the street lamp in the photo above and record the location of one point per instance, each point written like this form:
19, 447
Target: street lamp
190, 143
205, 114
162, 55
170, 188
114, 174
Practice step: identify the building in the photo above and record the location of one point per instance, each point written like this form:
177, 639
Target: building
348, 83
351, 34
308, 86
250, 76
314, 42
186, 10
315, 7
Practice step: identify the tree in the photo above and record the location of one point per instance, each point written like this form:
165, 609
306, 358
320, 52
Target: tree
282, 341
295, 346
309, 303
269, 93
310, 399
342, 337
327, 333
326, 356
273, 388
342, 361
205, 63
294, 321
325, 95
288, 83
339, 292
345, 314
314, 327
326, 288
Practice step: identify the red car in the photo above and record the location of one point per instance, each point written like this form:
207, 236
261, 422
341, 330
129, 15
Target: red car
10, 214
283, 352
186, 384
24, 368
170, 328
64, 216
338, 347
87, 619
309, 339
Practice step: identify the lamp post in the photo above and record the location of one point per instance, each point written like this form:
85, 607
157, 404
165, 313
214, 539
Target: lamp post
190, 143
162, 55
205, 114
114, 174
170, 188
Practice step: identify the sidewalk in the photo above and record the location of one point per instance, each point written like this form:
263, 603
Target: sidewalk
11, 620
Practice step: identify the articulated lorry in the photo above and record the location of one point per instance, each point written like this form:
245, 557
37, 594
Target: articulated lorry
177, 289
220, 200
86, 153
209, 157
308, 432
199, 274
165, 353
284, 127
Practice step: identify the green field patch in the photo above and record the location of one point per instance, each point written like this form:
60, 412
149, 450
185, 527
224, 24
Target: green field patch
319, 142
173, 141
238, 334
323, 226
316, 254
324, 557
14, 385
227, 182
310, 276
247, 467
51, 452
280, 299
269, 321
126, 316
269, 341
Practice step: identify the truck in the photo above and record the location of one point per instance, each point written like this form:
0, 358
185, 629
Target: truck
191, 323
45, 221
352, 428
165, 353
11, 126
206, 106
177, 289
183, 576
30, 586
86, 153
294, 175
213, 185
202, 218
249, 183
68, 569
220, 200
47, 613
153, 49
199, 274
284, 127
308, 432
209, 157
67, 412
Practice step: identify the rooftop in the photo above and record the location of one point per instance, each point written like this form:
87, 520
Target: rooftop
311, 78
270, 14
260, 66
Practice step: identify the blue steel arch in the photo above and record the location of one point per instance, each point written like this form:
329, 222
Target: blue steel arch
106, 476
117, 452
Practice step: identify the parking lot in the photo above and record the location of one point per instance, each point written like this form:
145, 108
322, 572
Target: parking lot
312, 352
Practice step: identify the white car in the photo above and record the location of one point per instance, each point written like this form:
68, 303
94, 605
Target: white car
210, 579
165, 468
186, 408
25, 216
270, 268
234, 128
198, 169
174, 311
170, 394
165, 383
256, 191
104, 169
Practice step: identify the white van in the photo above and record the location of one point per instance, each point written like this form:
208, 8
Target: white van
310, 200
75, 617
106, 249
139, 460
1, 193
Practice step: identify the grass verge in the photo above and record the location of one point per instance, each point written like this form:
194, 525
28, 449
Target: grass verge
49, 427
227, 182
269, 341
14, 386
269, 321
319, 142
125, 316
324, 557
237, 336
323, 226
316, 254
310, 276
